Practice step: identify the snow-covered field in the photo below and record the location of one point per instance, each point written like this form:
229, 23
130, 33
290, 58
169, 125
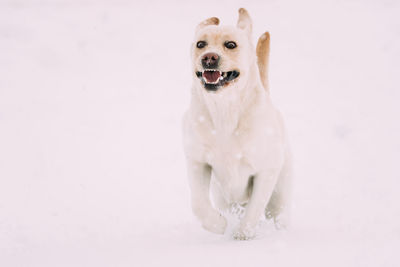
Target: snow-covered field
92, 169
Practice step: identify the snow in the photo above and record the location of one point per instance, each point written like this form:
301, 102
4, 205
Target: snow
92, 171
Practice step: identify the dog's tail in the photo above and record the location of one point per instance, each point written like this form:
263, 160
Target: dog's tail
263, 58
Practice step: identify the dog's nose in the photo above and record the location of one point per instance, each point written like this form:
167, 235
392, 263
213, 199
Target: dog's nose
210, 60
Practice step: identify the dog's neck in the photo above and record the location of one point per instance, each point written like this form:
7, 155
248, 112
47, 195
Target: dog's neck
226, 109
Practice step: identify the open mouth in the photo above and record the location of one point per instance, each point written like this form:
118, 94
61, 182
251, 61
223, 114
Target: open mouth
213, 79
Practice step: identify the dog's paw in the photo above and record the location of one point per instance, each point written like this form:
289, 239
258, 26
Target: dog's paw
237, 209
215, 223
244, 233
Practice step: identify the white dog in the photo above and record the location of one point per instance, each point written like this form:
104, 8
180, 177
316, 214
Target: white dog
234, 138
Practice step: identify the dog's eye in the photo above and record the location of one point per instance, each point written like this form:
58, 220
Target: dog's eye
201, 44
230, 45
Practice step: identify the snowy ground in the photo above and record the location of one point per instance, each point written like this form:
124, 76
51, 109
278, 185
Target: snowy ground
91, 163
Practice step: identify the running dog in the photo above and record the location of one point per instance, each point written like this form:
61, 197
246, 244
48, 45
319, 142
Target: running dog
234, 138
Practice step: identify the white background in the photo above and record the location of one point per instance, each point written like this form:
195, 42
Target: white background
92, 169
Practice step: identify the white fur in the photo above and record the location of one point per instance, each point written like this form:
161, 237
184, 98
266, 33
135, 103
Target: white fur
235, 133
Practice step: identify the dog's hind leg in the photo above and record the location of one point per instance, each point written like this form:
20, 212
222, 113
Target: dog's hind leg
278, 207
263, 58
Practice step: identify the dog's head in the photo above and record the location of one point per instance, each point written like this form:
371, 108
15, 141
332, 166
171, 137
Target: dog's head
223, 55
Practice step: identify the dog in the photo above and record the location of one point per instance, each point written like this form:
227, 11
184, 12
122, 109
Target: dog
235, 142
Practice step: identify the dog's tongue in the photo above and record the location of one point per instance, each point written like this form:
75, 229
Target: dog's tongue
211, 76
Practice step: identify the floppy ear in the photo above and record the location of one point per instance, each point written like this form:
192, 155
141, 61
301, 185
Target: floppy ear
244, 21
263, 57
209, 21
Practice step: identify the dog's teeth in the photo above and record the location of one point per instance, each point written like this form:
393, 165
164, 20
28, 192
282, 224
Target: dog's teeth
212, 70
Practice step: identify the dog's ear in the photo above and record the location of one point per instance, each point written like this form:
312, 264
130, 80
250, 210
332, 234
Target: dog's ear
209, 21
244, 21
263, 57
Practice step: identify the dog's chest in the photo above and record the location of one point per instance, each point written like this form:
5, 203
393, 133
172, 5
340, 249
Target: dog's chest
232, 154
232, 160
223, 148
247, 149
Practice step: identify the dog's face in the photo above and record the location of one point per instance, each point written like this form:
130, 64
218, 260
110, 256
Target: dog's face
222, 55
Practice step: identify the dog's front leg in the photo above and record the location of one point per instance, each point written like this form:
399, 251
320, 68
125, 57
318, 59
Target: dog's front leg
199, 179
263, 187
